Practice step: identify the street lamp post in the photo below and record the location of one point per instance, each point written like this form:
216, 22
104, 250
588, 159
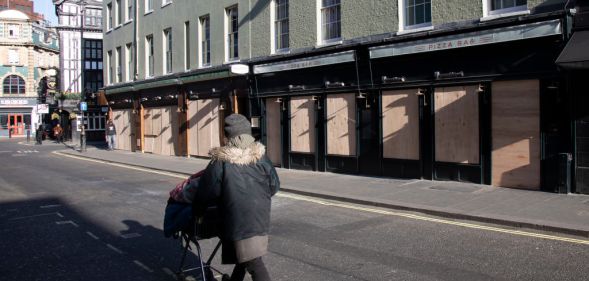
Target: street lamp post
83, 92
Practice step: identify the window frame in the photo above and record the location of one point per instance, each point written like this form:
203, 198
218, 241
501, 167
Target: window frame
276, 25
515, 10
109, 71
187, 45
129, 60
109, 22
321, 22
119, 19
204, 38
119, 64
168, 51
149, 56
232, 34
148, 5
21, 88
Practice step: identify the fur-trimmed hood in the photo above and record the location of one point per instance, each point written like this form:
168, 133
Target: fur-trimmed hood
239, 156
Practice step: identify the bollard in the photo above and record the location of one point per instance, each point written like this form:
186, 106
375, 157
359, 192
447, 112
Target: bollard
28, 135
9, 133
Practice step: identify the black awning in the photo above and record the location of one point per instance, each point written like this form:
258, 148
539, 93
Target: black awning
576, 53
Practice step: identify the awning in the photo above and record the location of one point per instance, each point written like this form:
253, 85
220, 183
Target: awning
575, 54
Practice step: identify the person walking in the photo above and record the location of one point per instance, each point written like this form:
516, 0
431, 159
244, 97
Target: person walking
39, 134
111, 134
240, 179
58, 133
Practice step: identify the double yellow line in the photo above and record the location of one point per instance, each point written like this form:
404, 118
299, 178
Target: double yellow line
359, 208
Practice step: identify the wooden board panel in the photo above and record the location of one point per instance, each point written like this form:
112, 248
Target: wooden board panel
302, 124
192, 127
400, 124
341, 124
273, 136
516, 134
175, 123
208, 127
156, 123
123, 125
457, 124
166, 135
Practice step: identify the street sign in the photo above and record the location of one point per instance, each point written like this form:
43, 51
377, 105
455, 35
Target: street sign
83, 106
42, 108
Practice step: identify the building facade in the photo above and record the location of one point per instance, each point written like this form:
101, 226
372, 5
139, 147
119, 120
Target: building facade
28, 49
80, 33
25, 6
464, 90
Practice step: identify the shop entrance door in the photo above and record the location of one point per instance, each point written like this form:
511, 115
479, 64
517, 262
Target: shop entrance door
369, 163
16, 124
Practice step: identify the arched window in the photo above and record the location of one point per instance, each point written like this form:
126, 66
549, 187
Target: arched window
14, 84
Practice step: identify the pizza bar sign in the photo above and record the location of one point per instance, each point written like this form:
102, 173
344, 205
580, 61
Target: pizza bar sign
457, 43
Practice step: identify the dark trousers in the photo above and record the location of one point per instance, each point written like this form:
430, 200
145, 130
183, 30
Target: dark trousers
255, 267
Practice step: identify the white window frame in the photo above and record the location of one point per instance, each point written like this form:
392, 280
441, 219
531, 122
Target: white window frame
506, 12
167, 48
320, 41
148, 4
202, 40
402, 4
109, 22
109, 67
149, 56
13, 56
15, 29
119, 13
273, 30
95, 121
118, 65
227, 34
129, 59
166, 3
129, 11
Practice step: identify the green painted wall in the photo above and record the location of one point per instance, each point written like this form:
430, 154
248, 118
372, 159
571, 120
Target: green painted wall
456, 10
368, 17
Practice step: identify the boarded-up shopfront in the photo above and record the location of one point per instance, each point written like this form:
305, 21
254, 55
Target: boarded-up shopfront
161, 130
204, 126
124, 127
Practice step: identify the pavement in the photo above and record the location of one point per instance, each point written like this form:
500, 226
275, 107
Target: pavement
560, 213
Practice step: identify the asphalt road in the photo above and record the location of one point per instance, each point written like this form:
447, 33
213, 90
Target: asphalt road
69, 219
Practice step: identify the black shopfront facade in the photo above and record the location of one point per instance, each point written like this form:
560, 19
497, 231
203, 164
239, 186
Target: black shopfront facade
479, 104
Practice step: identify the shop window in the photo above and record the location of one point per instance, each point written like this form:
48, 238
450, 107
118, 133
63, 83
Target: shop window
331, 26
341, 124
13, 84
95, 121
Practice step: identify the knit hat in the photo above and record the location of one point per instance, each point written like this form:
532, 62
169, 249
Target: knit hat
237, 124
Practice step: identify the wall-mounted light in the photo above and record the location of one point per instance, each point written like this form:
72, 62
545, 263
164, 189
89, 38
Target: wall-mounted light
222, 105
481, 88
361, 96
144, 99
296, 87
127, 100
157, 98
278, 100
111, 102
421, 92
172, 96
395, 79
334, 84
317, 101
554, 85
213, 90
134, 111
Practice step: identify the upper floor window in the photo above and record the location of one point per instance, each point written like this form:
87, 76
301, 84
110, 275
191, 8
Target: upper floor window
149, 55
119, 12
119, 65
418, 13
164, 2
13, 56
205, 41
281, 28
232, 27
506, 6
109, 71
13, 30
93, 17
14, 84
109, 15
129, 14
148, 6
168, 50
331, 27
186, 45
129, 58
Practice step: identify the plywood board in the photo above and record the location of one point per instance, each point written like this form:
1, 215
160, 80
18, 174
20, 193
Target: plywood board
175, 125
123, 125
156, 123
400, 124
273, 136
341, 124
192, 127
302, 124
457, 124
516, 134
166, 135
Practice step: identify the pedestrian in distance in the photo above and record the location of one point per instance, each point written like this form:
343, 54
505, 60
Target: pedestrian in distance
111, 134
240, 179
39, 134
58, 133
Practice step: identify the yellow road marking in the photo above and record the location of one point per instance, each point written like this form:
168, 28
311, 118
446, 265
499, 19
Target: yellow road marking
424, 218
360, 208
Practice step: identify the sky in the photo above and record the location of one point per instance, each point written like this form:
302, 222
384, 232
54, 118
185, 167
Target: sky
46, 8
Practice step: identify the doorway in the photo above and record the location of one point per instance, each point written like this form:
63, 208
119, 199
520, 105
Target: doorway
16, 124
369, 123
